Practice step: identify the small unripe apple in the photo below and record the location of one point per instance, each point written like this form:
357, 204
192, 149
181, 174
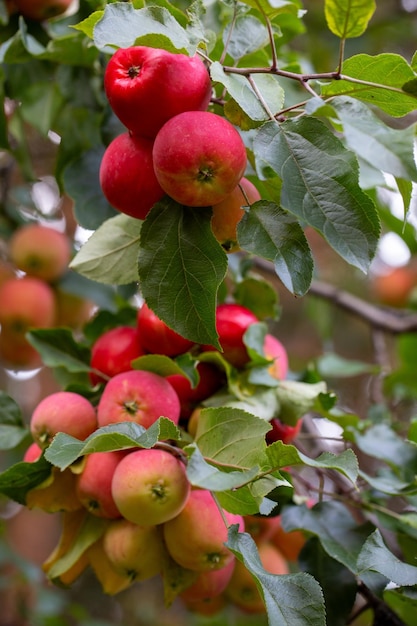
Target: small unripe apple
137, 396
147, 86
113, 352
157, 337
150, 487
127, 176
63, 411
199, 158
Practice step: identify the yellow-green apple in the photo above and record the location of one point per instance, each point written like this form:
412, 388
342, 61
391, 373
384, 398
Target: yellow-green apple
63, 411
211, 378
242, 589
276, 351
134, 551
150, 487
199, 157
40, 10
137, 396
113, 352
111, 581
232, 321
73, 311
195, 538
147, 86
127, 177
208, 584
227, 214
157, 337
41, 251
94, 483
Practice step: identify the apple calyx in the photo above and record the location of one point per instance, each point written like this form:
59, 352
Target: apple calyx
134, 71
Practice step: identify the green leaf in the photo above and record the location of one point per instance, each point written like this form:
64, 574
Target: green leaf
263, 404
270, 232
12, 428
404, 602
231, 436
247, 35
122, 26
290, 599
389, 149
381, 442
332, 365
240, 89
20, 478
320, 185
158, 364
110, 255
58, 348
378, 80
376, 557
272, 8
296, 398
181, 267
258, 295
348, 18
206, 476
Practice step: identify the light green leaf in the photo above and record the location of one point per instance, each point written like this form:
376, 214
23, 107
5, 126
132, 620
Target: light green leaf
270, 232
348, 18
290, 599
378, 80
58, 348
181, 266
12, 427
296, 398
272, 8
320, 185
248, 35
332, 365
376, 557
206, 476
110, 255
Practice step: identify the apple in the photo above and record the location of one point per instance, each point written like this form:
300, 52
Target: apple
113, 352
94, 483
195, 538
199, 157
288, 543
207, 607
150, 487
39, 10
6, 271
40, 251
134, 551
127, 177
157, 337
394, 287
232, 321
211, 379
282, 432
73, 311
63, 411
111, 580
208, 584
227, 214
16, 353
261, 527
137, 396
147, 86
275, 350
242, 589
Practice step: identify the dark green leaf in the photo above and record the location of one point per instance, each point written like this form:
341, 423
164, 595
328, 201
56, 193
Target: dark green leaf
58, 348
376, 557
20, 478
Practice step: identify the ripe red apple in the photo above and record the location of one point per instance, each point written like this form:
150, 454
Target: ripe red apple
211, 379
150, 487
134, 551
282, 432
147, 86
157, 337
93, 485
232, 321
40, 251
242, 589
199, 158
227, 214
209, 584
195, 538
113, 352
137, 396
63, 411
39, 10
275, 350
127, 177
260, 527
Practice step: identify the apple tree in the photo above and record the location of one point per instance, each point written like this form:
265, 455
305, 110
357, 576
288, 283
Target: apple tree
230, 175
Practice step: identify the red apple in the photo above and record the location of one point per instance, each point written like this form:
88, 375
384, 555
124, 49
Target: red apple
134, 551
199, 158
211, 379
150, 487
228, 213
39, 10
394, 287
282, 432
127, 177
113, 352
63, 411
40, 251
232, 321
195, 538
275, 350
137, 396
147, 86
209, 584
157, 337
94, 483
288, 543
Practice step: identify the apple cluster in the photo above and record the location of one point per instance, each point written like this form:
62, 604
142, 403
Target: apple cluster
153, 518
30, 294
173, 146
